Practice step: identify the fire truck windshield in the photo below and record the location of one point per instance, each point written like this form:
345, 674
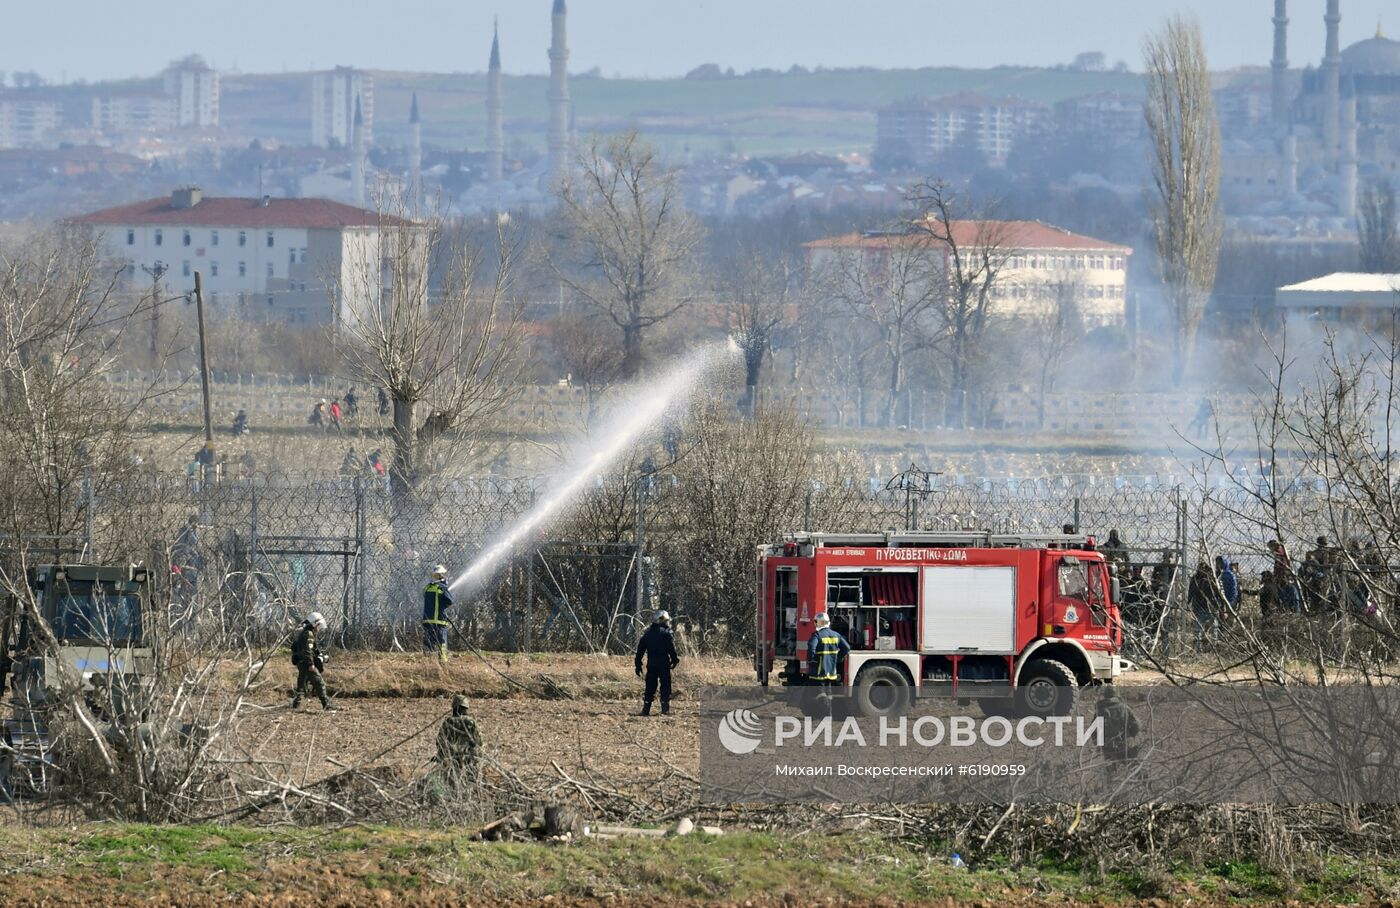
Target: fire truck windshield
1084, 582
1073, 580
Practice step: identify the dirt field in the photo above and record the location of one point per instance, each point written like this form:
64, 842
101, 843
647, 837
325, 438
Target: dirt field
392, 706
523, 735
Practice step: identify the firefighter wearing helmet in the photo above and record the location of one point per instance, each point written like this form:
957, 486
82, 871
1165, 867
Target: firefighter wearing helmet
436, 601
826, 651
310, 660
659, 647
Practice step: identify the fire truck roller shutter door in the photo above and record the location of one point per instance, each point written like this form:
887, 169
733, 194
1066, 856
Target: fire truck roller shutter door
969, 608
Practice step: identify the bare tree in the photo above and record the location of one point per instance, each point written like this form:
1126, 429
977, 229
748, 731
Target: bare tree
628, 240
973, 256
62, 324
421, 316
1054, 331
889, 281
1186, 217
587, 351
63, 321
756, 292
734, 481
1376, 228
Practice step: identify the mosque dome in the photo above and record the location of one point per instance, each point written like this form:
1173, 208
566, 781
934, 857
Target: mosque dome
1374, 56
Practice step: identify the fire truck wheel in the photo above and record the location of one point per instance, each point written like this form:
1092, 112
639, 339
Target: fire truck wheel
1046, 688
881, 690
998, 707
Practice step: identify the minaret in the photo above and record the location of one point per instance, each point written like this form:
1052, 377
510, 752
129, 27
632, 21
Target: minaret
415, 153
1346, 204
1331, 86
495, 135
1280, 63
357, 152
558, 97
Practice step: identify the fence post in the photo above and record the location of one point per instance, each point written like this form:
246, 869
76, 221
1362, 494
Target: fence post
359, 551
250, 560
1183, 537
89, 500
513, 606
1077, 527
345, 603
529, 599
253, 517
643, 487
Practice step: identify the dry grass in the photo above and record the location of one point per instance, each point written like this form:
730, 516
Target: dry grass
504, 675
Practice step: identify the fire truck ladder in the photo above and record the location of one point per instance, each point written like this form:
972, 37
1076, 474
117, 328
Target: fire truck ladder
977, 539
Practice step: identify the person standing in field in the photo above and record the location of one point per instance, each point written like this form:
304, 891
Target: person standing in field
827, 651
436, 601
659, 647
310, 661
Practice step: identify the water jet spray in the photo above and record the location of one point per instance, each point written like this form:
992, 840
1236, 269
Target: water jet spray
635, 412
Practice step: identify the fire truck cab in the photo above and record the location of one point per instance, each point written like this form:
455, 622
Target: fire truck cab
1017, 622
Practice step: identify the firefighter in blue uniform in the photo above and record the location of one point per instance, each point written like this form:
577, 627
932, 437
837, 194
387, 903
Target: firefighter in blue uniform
660, 649
826, 651
436, 601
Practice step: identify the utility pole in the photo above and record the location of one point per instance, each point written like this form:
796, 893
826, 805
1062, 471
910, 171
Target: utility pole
643, 493
209, 468
156, 273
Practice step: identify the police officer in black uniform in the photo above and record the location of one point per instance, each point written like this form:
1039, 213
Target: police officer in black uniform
660, 649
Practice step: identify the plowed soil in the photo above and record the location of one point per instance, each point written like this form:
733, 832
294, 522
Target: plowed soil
390, 710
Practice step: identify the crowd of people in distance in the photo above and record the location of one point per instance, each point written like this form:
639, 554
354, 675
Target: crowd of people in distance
332, 415
371, 465
1330, 580
326, 415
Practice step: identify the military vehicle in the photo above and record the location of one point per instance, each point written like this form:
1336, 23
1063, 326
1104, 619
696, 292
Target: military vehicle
96, 615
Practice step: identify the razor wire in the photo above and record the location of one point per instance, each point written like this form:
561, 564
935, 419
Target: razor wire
359, 553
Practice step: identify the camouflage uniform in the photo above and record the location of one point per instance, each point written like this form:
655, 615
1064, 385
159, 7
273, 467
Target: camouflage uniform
308, 659
1120, 725
459, 745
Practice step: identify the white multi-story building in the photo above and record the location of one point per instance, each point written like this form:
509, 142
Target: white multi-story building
137, 112
194, 86
27, 121
921, 129
1036, 263
333, 95
259, 259
1107, 113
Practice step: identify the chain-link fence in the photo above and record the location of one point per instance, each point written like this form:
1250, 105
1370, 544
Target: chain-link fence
354, 551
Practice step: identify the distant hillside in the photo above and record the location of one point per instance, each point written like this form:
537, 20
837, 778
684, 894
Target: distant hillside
824, 111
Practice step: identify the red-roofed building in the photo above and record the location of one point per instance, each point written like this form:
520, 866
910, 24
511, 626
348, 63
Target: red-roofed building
264, 259
1037, 259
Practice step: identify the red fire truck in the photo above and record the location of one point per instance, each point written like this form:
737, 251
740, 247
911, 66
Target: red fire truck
1019, 623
